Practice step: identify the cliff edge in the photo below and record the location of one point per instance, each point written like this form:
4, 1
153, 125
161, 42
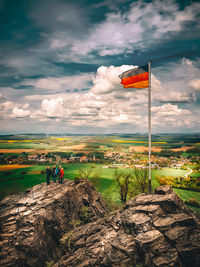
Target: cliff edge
152, 230
68, 225
32, 224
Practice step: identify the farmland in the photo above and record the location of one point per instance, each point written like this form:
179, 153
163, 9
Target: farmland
16, 180
24, 157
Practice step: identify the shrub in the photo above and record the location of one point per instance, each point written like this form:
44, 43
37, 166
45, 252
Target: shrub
198, 183
165, 180
193, 201
67, 240
183, 167
85, 214
49, 263
75, 223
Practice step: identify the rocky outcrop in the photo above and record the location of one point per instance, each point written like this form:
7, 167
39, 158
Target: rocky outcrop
68, 225
32, 225
152, 230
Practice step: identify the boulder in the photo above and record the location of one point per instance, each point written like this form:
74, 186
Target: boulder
32, 224
151, 230
68, 225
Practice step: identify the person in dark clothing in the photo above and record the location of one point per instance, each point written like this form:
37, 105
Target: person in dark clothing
59, 168
48, 174
54, 173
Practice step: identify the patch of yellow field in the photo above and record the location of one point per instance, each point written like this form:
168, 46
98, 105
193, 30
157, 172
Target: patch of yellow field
59, 138
13, 166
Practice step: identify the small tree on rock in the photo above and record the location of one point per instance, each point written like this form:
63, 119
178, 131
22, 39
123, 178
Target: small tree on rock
131, 183
140, 181
91, 173
124, 182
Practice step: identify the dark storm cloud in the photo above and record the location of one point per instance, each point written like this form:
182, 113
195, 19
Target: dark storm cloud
50, 47
38, 36
57, 16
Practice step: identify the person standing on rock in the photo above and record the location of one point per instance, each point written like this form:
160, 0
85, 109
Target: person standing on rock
61, 174
59, 169
48, 174
54, 173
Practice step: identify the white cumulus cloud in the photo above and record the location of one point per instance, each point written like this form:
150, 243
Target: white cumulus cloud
174, 96
169, 110
53, 107
10, 109
20, 113
107, 79
195, 84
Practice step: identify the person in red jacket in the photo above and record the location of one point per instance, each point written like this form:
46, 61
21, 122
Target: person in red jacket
61, 174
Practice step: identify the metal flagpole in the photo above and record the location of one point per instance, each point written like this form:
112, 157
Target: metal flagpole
149, 125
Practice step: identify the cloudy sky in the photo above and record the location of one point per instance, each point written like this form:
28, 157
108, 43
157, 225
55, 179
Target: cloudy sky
60, 61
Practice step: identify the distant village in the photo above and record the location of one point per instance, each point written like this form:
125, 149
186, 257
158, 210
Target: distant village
109, 159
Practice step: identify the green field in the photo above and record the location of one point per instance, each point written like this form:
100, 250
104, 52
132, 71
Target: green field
169, 172
18, 180
195, 175
23, 146
186, 195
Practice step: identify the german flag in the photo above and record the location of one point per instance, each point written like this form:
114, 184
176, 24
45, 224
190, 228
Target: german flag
135, 78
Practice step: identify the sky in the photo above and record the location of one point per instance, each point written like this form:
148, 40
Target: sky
60, 62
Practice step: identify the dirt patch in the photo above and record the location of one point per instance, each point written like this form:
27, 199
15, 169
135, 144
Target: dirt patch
183, 148
20, 150
75, 147
13, 166
142, 149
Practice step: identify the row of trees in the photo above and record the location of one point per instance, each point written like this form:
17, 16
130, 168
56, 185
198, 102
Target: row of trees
67, 155
5, 157
130, 183
195, 151
190, 183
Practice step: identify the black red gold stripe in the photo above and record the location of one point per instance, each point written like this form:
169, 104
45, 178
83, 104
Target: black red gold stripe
135, 78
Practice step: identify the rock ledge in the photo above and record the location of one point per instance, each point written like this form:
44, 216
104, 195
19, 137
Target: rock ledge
69, 225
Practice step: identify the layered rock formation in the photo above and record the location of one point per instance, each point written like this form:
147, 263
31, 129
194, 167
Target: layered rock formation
152, 230
69, 225
32, 225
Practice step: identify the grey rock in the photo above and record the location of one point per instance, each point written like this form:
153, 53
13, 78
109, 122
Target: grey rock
32, 225
151, 230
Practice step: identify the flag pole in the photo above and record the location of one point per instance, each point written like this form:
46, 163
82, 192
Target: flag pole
149, 126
